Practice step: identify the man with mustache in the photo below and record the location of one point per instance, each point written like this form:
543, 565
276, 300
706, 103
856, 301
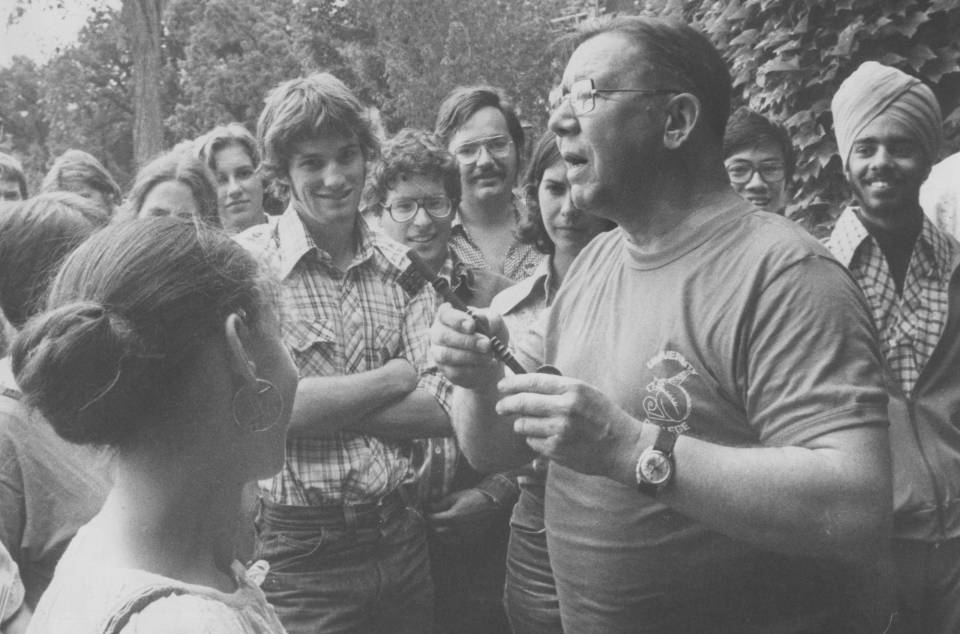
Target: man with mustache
888, 127
481, 130
718, 447
347, 552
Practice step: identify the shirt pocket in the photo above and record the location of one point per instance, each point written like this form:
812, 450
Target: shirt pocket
386, 345
313, 344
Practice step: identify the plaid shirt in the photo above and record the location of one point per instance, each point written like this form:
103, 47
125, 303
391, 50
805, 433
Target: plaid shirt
520, 263
437, 460
910, 326
341, 323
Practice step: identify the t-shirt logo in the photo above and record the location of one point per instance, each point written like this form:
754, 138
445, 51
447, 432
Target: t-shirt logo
668, 403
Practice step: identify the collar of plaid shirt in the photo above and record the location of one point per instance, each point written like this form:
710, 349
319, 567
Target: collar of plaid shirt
295, 242
909, 325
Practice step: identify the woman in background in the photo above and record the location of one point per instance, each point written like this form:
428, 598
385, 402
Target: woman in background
160, 342
231, 153
48, 487
80, 173
176, 183
550, 222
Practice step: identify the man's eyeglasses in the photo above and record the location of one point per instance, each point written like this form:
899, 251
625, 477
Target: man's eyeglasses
742, 171
404, 209
583, 95
468, 152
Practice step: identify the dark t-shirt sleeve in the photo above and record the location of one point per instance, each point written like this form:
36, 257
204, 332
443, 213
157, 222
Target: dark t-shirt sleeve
812, 364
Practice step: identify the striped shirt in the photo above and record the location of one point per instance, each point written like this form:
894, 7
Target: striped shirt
909, 325
338, 323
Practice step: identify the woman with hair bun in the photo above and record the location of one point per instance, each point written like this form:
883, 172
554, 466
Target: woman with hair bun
160, 342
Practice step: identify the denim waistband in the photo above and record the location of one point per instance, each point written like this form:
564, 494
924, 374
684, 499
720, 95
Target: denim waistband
364, 515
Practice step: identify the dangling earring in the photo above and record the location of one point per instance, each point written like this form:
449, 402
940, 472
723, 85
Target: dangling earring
257, 407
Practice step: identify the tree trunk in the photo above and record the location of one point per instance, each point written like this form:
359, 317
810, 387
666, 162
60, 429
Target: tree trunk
142, 21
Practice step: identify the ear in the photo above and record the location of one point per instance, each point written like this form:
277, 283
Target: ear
683, 112
238, 343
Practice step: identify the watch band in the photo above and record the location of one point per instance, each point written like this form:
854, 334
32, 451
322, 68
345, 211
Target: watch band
662, 449
665, 441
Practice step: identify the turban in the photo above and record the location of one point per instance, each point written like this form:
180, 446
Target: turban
874, 90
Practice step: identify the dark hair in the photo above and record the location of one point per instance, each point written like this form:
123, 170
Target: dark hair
305, 108
35, 236
411, 152
530, 229
675, 54
749, 129
77, 166
224, 136
12, 170
463, 102
182, 166
126, 316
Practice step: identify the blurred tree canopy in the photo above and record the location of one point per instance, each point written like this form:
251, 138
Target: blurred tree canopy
219, 58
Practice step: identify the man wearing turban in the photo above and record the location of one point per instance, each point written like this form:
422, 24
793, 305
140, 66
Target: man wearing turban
888, 127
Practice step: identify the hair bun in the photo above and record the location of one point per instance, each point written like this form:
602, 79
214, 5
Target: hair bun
86, 370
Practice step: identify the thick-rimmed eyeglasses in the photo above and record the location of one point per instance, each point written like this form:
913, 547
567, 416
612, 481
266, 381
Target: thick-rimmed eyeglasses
498, 146
404, 209
583, 95
742, 172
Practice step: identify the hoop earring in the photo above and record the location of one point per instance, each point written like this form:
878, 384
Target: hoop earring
258, 407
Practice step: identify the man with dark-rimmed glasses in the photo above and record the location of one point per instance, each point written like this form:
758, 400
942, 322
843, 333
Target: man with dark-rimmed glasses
718, 444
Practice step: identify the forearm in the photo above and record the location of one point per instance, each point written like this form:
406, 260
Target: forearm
327, 404
829, 500
486, 439
416, 415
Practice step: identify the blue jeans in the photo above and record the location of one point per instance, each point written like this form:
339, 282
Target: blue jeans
530, 594
362, 569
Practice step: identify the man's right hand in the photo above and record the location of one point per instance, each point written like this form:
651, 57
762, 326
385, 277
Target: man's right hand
462, 354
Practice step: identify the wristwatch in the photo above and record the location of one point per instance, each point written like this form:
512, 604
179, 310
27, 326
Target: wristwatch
655, 468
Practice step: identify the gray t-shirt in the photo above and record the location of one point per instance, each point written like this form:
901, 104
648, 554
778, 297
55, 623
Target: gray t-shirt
747, 334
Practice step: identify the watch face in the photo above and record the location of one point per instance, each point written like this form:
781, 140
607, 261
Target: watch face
655, 467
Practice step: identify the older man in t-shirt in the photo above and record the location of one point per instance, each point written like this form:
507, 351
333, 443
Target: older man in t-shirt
719, 451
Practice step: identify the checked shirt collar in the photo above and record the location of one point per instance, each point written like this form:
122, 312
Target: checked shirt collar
910, 326
295, 243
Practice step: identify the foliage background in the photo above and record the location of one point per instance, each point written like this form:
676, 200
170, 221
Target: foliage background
220, 57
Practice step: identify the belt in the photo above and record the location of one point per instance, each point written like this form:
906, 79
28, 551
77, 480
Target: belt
362, 515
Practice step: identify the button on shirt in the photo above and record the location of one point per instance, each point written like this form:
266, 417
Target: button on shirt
339, 323
910, 326
520, 263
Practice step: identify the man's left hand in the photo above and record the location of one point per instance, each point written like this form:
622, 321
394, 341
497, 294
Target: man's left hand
572, 423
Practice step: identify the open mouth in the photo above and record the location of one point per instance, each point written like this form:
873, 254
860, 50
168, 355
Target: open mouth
573, 159
759, 201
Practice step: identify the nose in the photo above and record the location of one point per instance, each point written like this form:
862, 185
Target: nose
422, 218
483, 156
756, 182
567, 208
881, 157
333, 176
562, 120
233, 187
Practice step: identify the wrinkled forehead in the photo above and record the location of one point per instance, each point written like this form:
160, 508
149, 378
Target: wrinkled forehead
609, 58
